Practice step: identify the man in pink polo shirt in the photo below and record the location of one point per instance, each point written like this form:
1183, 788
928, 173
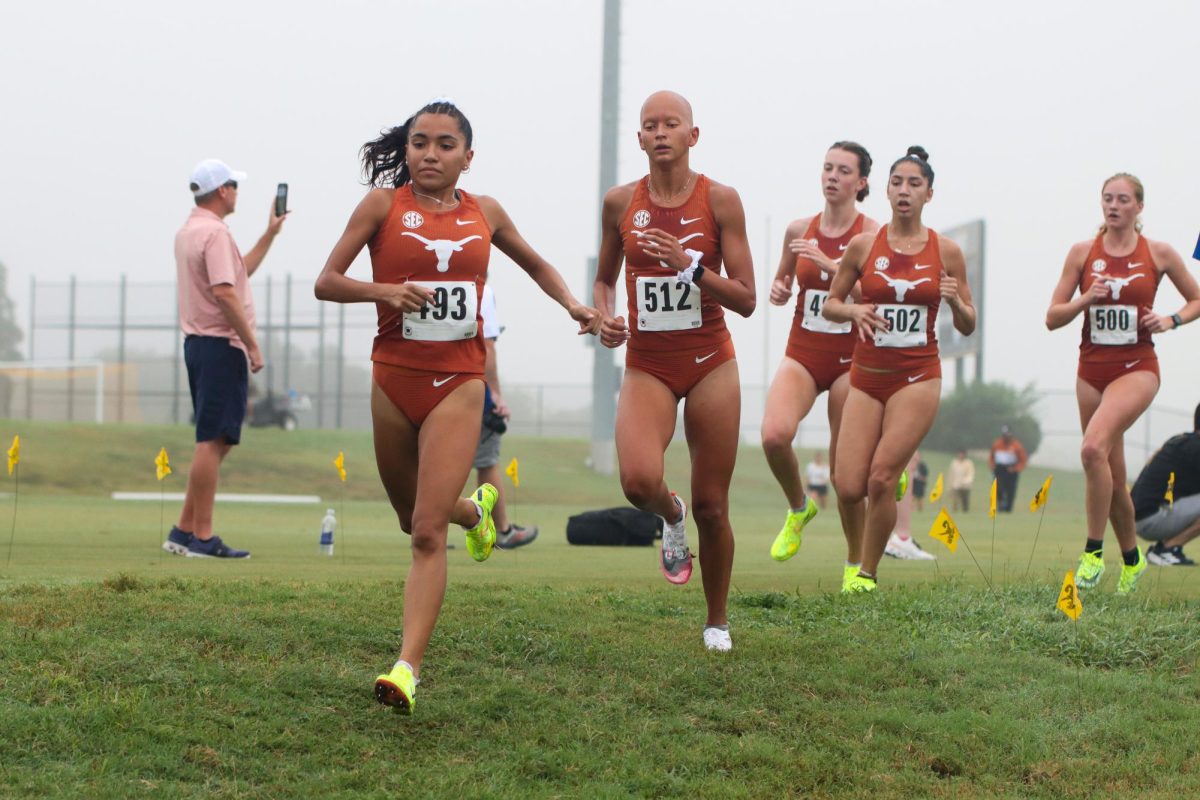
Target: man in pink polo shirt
216, 313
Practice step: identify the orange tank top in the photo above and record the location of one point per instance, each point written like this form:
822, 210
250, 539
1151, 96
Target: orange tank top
905, 291
446, 251
665, 314
1110, 327
811, 331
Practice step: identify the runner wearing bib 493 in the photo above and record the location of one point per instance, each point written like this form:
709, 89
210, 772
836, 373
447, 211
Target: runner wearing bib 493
905, 272
1116, 276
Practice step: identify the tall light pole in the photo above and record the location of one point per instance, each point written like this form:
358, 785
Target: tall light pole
604, 377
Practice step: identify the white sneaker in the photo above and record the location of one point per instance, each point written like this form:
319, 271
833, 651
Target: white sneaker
674, 557
717, 639
907, 549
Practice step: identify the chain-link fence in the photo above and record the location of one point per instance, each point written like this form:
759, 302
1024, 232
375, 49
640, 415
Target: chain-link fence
113, 351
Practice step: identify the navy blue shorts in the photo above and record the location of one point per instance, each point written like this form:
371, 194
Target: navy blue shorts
218, 376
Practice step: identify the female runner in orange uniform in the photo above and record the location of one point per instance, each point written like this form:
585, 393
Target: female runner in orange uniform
429, 244
904, 271
818, 352
673, 229
1117, 276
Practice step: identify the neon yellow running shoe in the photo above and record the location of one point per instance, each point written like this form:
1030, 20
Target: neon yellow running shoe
397, 689
849, 573
902, 486
482, 538
1129, 575
787, 543
1091, 567
859, 584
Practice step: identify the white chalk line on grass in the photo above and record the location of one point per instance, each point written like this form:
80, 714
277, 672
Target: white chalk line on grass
223, 497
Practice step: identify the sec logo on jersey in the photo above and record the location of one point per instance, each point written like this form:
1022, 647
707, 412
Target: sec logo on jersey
641, 218
412, 219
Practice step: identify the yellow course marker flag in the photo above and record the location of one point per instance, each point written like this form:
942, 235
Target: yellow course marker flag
1068, 598
162, 464
992, 504
14, 454
936, 493
1169, 496
1043, 493
340, 463
511, 471
945, 531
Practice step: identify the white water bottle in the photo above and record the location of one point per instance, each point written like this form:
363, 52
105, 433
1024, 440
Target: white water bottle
328, 525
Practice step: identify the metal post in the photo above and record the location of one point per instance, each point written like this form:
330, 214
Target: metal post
121, 306
287, 333
604, 388
341, 361
32, 329
71, 352
320, 364
267, 336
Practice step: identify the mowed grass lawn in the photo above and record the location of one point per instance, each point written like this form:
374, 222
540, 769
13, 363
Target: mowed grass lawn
559, 671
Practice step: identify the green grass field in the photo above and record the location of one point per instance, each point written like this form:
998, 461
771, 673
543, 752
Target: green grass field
558, 671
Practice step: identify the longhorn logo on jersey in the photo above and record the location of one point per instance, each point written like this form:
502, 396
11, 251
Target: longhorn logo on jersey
442, 248
882, 263
641, 218
412, 219
1117, 284
902, 286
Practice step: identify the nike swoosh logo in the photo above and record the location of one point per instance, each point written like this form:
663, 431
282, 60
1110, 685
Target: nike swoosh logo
683, 221
845, 360
1135, 266
914, 378
922, 266
690, 236
701, 360
1131, 363
465, 221
437, 383
841, 247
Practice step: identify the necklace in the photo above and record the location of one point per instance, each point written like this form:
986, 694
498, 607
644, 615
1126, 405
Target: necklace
901, 246
673, 195
439, 202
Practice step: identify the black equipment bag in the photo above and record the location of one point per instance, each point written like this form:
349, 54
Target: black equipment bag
614, 527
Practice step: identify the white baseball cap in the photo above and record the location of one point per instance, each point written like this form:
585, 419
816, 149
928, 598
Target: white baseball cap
212, 173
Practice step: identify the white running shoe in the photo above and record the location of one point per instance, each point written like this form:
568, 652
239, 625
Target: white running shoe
674, 557
717, 639
907, 549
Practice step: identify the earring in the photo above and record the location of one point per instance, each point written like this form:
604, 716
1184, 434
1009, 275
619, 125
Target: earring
466, 169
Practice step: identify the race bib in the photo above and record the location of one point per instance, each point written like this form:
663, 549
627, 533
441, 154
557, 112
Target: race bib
907, 325
667, 304
449, 316
814, 301
1113, 324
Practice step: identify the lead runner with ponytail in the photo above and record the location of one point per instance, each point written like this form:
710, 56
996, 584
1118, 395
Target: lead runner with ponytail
429, 244
905, 271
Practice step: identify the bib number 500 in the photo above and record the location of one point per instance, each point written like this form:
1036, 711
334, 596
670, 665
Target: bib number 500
1113, 325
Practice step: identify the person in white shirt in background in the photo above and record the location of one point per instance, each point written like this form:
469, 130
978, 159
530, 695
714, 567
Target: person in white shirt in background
901, 544
962, 475
816, 479
487, 456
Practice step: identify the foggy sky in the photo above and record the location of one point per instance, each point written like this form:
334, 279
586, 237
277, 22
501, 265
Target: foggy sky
1024, 107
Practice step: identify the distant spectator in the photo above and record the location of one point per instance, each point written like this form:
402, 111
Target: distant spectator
920, 479
816, 476
1170, 525
962, 475
1006, 459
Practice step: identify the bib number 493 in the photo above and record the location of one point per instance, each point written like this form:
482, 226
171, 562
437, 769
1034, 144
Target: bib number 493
449, 314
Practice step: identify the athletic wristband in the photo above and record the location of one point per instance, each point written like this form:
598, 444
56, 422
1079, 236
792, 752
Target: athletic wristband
699, 271
1178, 320
689, 274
